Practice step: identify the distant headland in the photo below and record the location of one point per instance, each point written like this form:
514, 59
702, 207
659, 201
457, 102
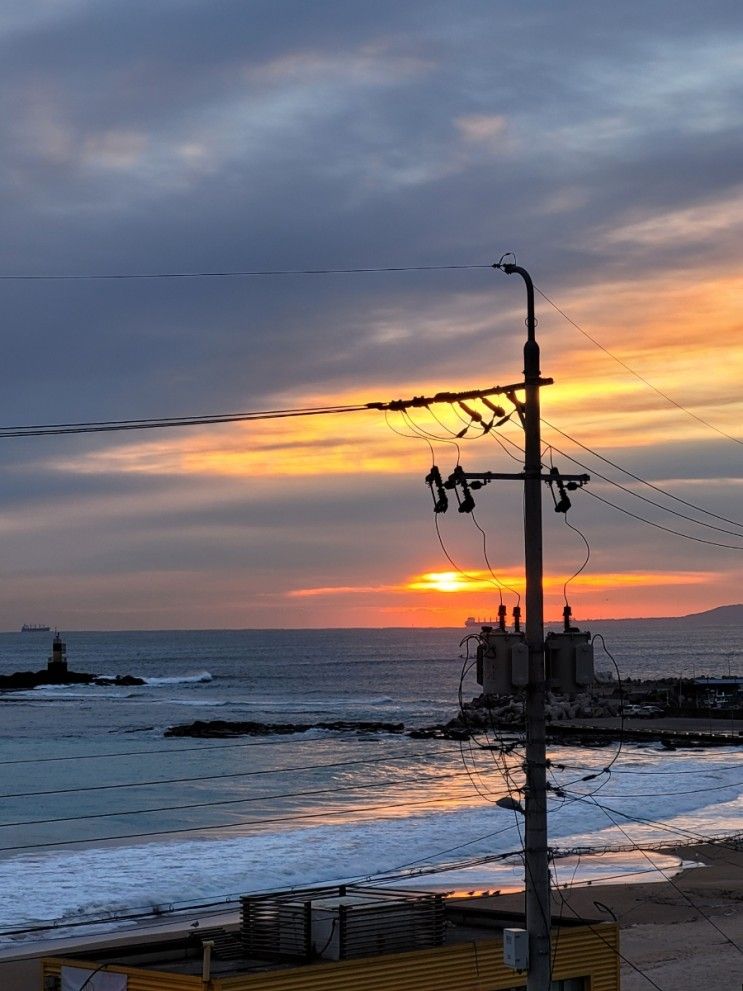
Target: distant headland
731, 615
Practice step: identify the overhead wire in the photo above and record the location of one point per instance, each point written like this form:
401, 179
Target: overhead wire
151, 423
501, 584
228, 774
157, 423
225, 904
230, 899
660, 526
107, 755
234, 274
638, 495
294, 817
614, 949
674, 885
636, 374
252, 799
675, 831
499, 755
639, 478
472, 578
584, 565
636, 516
664, 794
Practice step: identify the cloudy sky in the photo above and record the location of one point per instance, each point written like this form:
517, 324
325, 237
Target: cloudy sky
601, 143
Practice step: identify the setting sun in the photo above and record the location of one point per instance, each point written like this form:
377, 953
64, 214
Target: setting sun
449, 581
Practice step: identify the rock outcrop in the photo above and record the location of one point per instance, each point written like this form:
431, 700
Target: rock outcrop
24, 680
223, 728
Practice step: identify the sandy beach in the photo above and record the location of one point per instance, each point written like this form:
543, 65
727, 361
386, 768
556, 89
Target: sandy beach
681, 933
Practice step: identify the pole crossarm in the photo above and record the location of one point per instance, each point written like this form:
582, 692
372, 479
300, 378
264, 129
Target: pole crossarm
453, 397
492, 476
465, 481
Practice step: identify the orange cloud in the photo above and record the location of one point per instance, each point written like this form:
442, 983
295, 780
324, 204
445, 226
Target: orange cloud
448, 582
680, 330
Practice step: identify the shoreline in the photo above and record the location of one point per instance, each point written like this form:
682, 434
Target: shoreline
680, 931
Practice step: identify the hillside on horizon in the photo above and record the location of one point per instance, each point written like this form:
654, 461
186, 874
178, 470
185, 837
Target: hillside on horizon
731, 615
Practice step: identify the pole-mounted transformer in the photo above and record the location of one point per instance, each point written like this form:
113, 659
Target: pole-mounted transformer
503, 658
568, 658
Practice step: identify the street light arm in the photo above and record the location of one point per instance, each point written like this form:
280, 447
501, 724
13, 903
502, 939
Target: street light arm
530, 320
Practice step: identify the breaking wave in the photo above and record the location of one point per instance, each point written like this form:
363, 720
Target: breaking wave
184, 679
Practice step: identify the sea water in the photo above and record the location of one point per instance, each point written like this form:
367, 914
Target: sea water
104, 818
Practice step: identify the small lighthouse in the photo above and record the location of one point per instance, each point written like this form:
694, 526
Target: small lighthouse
57, 664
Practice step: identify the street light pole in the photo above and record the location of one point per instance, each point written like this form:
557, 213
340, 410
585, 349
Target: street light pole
537, 877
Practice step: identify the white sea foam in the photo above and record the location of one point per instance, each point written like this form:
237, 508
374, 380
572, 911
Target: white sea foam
197, 703
187, 679
314, 703
66, 884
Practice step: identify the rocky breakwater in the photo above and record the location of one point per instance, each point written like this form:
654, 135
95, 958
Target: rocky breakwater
501, 712
24, 680
506, 712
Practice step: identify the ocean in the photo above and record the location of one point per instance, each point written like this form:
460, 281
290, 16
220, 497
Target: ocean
104, 820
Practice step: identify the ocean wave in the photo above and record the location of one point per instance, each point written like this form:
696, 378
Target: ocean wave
312, 703
173, 872
48, 693
199, 703
200, 677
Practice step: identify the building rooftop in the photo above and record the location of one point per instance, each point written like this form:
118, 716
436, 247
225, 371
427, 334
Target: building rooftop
456, 921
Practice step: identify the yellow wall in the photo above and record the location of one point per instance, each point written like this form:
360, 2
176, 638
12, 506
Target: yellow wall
476, 966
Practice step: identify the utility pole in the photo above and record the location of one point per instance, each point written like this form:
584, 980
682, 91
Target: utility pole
461, 482
537, 877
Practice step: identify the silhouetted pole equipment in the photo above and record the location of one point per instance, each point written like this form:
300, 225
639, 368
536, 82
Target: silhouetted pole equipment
537, 877
511, 664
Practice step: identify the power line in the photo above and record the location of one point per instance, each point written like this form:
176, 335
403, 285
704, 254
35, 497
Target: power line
606, 942
108, 426
237, 274
381, 877
156, 423
229, 774
190, 907
148, 753
666, 827
659, 526
643, 481
636, 374
635, 516
232, 825
674, 772
336, 789
670, 880
664, 794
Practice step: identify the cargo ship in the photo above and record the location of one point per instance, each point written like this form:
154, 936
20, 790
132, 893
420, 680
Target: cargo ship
35, 628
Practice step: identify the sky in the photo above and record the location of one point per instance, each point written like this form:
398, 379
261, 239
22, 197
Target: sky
601, 144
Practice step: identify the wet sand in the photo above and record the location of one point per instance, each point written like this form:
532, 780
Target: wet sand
682, 933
